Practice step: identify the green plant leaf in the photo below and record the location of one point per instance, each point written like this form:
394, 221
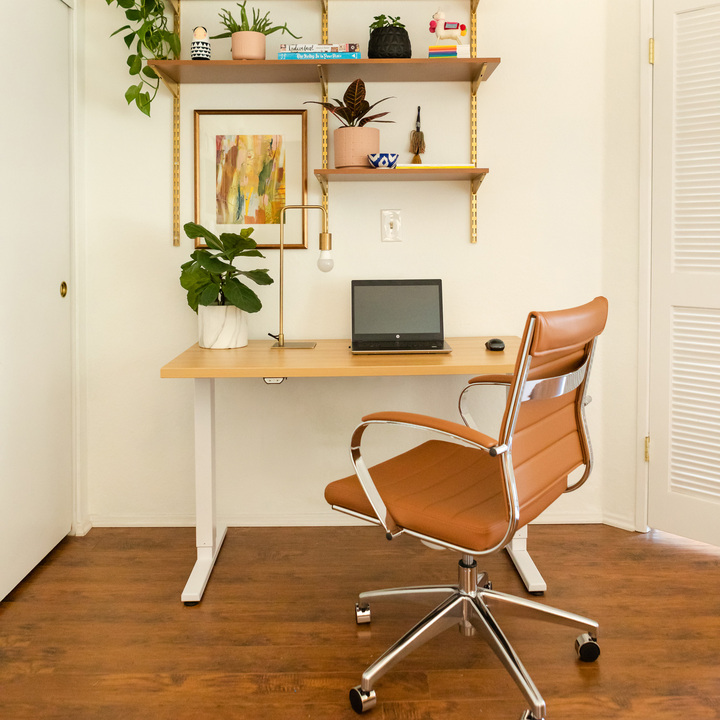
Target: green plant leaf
133, 14
135, 64
214, 264
132, 92
119, 30
209, 295
241, 296
149, 72
174, 42
233, 242
143, 103
195, 231
261, 277
126, 4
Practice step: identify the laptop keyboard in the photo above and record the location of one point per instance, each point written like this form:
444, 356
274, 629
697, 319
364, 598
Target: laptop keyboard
404, 345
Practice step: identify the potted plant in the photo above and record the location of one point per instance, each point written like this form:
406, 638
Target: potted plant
147, 37
248, 35
214, 289
388, 38
353, 142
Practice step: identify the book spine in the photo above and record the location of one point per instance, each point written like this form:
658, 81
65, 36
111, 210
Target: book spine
318, 56
311, 47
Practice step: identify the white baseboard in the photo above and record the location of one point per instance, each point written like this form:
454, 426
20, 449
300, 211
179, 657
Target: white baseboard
79, 529
269, 520
330, 519
620, 521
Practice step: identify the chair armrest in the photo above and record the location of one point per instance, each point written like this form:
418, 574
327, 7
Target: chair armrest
481, 381
423, 422
445, 427
491, 379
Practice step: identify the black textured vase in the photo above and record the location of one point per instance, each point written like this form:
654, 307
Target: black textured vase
389, 42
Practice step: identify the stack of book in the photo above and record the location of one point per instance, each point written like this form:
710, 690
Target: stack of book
310, 51
449, 51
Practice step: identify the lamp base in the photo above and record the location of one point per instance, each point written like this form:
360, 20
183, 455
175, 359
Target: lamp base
294, 345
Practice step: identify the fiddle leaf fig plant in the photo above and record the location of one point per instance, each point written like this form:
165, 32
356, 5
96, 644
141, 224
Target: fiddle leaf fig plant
353, 109
148, 36
211, 278
256, 24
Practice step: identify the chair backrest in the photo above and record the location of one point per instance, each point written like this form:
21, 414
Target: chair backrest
544, 423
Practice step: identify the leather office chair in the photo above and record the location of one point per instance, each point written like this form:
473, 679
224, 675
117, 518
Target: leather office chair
470, 493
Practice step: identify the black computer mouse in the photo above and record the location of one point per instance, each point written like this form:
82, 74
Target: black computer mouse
495, 344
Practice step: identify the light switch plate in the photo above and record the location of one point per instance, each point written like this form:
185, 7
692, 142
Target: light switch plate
390, 223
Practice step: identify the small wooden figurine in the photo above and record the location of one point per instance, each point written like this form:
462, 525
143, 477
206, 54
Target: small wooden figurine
200, 45
447, 30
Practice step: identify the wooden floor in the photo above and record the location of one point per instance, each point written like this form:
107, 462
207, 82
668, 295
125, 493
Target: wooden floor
98, 631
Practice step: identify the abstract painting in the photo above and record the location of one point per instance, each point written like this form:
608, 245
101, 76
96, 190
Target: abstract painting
249, 164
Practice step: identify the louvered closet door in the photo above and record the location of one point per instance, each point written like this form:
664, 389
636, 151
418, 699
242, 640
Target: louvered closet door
684, 493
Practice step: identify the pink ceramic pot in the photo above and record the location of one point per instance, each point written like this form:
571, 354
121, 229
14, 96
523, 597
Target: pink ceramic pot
354, 144
248, 45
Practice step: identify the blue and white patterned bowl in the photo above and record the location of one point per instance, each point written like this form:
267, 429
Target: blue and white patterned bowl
384, 160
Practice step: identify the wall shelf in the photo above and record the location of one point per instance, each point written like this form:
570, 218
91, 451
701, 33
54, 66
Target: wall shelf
419, 173
472, 70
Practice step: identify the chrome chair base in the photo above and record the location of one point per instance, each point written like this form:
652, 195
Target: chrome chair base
468, 605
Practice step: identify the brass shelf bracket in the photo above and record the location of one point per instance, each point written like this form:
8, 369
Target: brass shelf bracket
175, 90
474, 85
322, 75
325, 136
169, 83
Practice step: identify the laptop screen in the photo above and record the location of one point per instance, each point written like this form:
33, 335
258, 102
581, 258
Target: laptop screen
395, 310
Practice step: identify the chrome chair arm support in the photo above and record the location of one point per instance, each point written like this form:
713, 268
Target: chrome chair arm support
420, 423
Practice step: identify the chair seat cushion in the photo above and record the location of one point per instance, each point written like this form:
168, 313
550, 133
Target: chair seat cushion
445, 491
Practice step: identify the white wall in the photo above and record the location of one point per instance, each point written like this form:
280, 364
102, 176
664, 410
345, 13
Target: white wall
557, 217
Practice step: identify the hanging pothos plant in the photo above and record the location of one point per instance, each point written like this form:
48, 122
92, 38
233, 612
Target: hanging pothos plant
147, 37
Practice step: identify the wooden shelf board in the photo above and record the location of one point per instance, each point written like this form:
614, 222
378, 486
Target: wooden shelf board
306, 71
400, 174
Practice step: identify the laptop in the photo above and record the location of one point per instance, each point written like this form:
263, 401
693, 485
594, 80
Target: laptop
397, 316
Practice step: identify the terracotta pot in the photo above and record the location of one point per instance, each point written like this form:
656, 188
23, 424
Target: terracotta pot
352, 145
248, 45
222, 326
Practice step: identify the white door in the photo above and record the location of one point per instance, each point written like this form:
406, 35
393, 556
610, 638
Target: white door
684, 493
35, 321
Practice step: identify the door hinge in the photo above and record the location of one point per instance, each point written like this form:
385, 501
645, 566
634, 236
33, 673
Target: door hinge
647, 448
651, 51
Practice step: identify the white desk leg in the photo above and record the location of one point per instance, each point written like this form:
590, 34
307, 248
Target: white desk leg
517, 550
208, 537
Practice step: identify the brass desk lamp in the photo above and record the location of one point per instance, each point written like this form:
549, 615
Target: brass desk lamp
325, 264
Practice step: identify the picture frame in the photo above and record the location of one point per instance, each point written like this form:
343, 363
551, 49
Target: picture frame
248, 165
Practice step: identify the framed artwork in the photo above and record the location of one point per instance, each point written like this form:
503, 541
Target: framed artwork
248, 165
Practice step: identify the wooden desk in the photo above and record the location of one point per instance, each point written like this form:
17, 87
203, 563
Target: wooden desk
331, 358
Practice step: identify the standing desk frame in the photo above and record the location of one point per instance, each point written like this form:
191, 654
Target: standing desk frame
330, 358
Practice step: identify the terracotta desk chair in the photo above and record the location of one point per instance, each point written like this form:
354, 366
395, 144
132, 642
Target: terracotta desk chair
470, 493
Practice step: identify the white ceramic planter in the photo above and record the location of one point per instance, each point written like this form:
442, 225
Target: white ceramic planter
352, 145
222, 327
248, 45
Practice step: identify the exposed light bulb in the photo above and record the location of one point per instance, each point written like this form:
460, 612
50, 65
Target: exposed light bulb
325, 262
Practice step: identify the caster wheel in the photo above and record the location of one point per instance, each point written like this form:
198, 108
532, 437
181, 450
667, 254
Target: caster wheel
527, 715
362, 701
191, 603
362, 613
587, 648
